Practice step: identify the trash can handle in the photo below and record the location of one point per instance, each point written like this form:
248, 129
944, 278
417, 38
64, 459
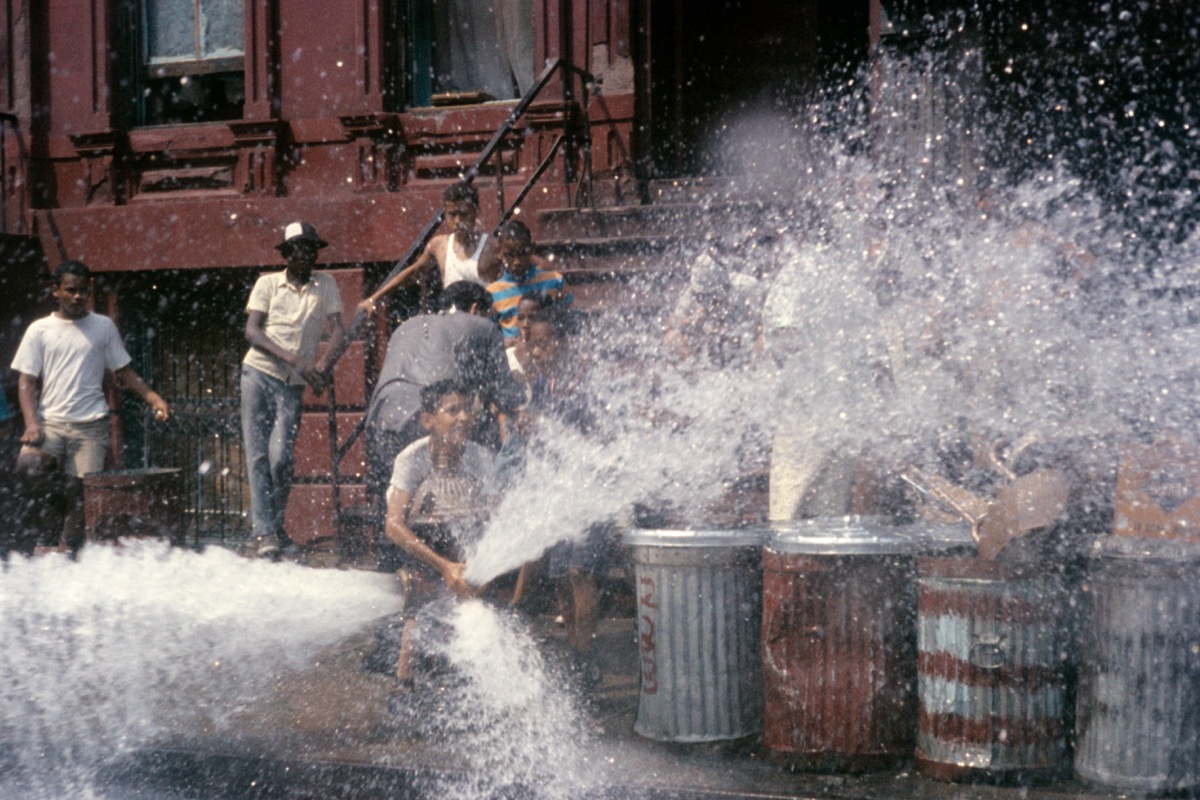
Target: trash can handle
987, 651
778, 624
776, 627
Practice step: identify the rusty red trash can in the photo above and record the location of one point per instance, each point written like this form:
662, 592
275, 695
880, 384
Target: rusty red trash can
992, 650
699, 612
1138, 726
839, 640
134, 502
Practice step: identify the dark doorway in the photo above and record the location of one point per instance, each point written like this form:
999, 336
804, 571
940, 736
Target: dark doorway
712, 62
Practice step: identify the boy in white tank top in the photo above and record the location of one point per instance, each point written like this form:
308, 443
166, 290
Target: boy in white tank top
464, 254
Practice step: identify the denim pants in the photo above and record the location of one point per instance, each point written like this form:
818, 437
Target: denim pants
270, 421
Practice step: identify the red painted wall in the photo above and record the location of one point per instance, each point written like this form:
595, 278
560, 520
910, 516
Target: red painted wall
318, 141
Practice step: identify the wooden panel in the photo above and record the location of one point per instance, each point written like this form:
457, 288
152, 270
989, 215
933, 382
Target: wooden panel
618, 37
309, 513
312, 446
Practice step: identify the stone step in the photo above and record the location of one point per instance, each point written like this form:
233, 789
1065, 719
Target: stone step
677, 220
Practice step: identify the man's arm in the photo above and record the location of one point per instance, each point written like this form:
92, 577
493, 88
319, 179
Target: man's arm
433, 254
256, 335
337, 344
134, 383
27, 394
399, 532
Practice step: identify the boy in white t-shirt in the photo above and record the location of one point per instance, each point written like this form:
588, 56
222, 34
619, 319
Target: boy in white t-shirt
62, 360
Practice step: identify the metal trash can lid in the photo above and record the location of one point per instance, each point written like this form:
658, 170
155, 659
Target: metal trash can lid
684, 537
866, 535
123, 477
1145, 548
932, 538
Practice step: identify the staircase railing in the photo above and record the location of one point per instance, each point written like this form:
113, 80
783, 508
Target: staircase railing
574, 133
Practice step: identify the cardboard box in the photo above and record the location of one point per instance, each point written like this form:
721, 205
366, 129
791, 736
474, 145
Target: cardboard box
1158, 491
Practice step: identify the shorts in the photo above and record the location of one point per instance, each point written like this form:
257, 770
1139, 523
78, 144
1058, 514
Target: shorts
590, 554
79, 448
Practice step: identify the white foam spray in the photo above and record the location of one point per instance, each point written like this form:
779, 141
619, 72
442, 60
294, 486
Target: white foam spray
509, 715
105, 655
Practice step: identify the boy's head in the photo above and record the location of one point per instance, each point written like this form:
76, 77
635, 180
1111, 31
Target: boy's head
448, 411
516, 246
460, 207
548, 337
527, 306
466, 296
72, 288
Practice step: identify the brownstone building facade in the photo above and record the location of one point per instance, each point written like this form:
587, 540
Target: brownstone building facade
167, 142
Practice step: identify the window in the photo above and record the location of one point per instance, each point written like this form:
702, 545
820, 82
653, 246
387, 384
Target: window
187, 63
468, 51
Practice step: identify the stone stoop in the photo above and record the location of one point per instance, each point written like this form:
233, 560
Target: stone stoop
637, 257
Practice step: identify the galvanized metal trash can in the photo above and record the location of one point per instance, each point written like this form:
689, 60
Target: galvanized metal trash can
699, 606
1138, 720
992, 649
839, 639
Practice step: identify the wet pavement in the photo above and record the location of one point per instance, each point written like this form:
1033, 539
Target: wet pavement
328, 732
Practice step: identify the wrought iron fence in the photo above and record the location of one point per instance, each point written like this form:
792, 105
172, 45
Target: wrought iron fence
189, 344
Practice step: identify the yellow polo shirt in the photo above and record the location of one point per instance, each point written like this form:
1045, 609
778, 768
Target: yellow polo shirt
295, 317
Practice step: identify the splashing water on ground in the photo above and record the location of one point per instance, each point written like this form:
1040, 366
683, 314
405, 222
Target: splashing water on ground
501, 706
105, 655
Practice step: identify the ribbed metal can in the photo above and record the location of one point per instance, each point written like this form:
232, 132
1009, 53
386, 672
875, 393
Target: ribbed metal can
1138, 707
699, 606
839, 640
992, 649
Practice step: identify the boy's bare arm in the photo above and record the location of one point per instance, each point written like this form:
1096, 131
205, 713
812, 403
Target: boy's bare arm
433, 255
134, 383
27, 395
398, 531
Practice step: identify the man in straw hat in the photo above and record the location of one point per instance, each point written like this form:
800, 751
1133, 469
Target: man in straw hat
287, 313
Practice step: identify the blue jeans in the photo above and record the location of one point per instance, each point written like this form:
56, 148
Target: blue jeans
270, 421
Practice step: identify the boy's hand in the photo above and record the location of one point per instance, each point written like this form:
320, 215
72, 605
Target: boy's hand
162, 411
524, 422
33, 435
452, 574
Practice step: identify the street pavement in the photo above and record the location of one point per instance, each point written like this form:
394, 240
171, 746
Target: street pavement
329, 731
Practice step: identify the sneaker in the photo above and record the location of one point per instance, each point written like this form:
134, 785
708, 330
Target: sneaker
267, 547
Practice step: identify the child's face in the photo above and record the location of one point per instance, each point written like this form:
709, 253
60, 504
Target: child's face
72, 294
524, 309
514, 254
453, 419
460, 216
543, 346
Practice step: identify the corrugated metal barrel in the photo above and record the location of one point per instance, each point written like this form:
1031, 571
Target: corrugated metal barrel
839, 640
1138, 720
992, 644
699, 615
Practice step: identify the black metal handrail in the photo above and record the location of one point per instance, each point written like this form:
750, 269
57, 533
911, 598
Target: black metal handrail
490, 149
580, 133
